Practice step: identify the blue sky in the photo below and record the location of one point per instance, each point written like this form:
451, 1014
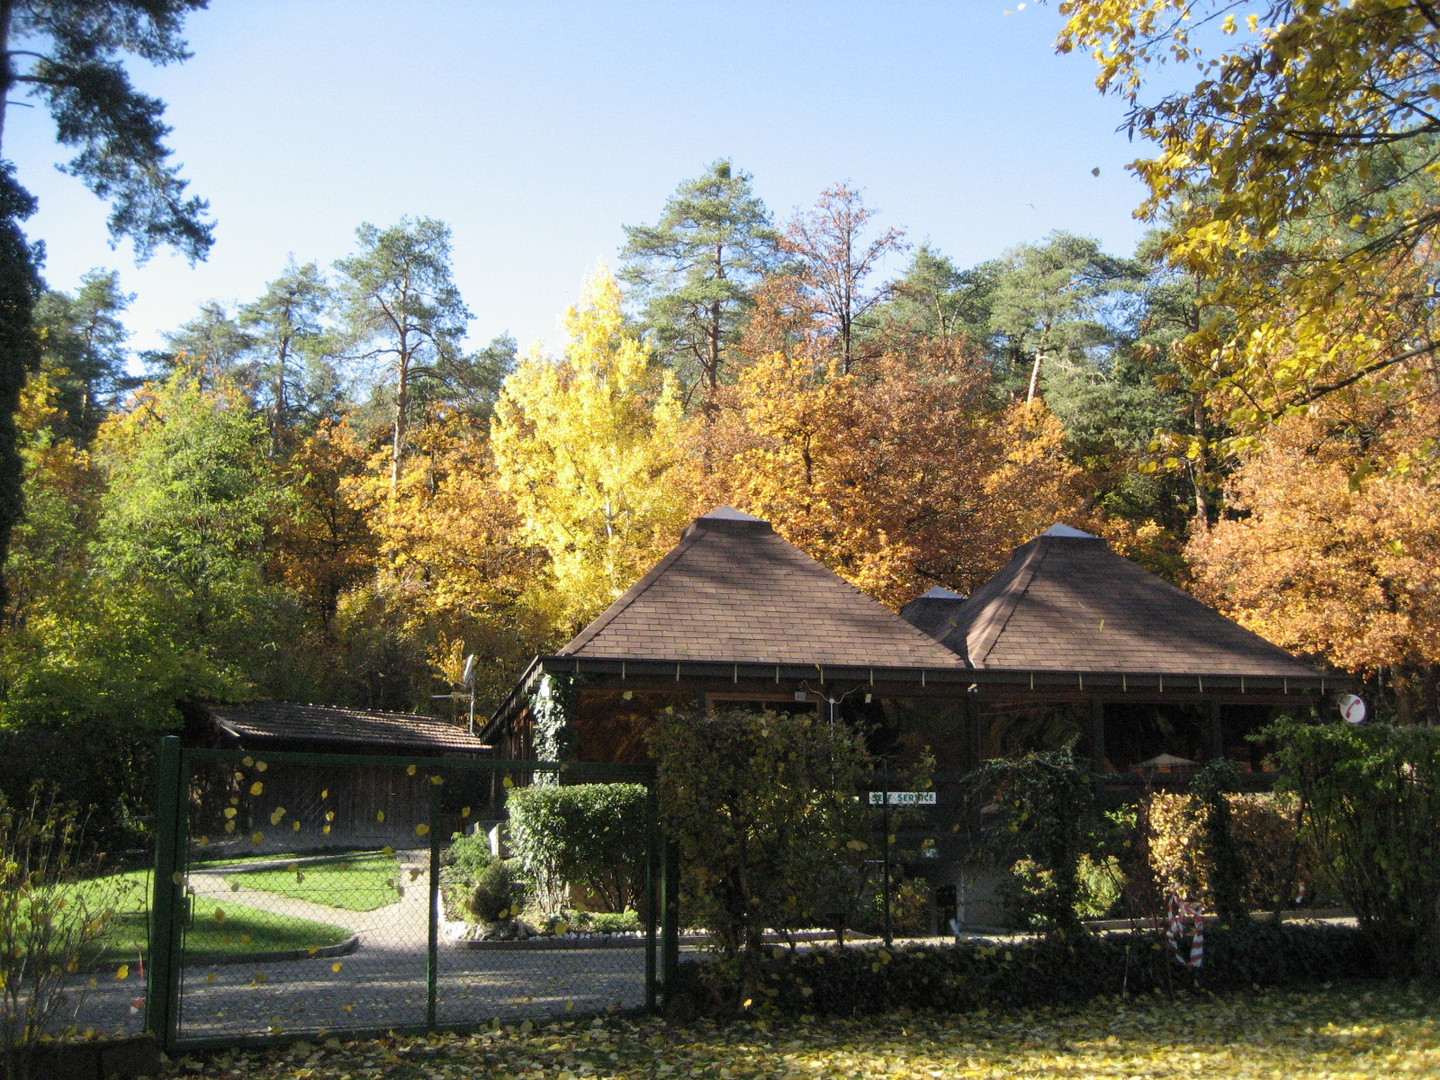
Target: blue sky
536, 130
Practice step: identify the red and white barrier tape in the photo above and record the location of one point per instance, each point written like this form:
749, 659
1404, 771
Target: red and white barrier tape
1182, 911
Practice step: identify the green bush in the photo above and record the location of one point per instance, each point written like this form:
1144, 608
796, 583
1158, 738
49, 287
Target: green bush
615, 922
1372, 812
973, 975
498, 893
468, 855
590, 835
1046, 823
763, 808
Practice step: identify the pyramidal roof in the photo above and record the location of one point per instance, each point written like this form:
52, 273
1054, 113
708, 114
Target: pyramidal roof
1066, 602
733, 591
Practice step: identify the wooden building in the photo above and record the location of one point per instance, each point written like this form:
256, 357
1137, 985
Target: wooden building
321, 804
1069, 644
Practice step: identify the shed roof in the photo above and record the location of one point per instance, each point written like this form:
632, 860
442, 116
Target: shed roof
1066, 602
733, 591
282, 721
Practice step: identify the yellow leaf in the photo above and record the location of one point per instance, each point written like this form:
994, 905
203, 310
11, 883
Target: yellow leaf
410, 770
422, 829
256, 788
337, 965
123, 972
260, 766
380, 816
257, 837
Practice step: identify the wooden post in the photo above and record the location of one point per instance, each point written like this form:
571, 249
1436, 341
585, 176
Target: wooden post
1097, 736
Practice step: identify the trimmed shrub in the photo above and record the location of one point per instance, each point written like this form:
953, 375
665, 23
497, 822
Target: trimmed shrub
971, 976
468, 855
590, 835
498, 894
1263, 829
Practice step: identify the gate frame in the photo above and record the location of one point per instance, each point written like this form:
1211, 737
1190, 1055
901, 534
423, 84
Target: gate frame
176, 772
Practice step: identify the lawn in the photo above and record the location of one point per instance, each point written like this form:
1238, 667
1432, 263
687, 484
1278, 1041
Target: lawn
361, 882
1342, 1033
242, 930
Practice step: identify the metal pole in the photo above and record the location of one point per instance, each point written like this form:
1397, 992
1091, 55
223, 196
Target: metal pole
652, 859
670, 912
432, 949
885, 783
161, 993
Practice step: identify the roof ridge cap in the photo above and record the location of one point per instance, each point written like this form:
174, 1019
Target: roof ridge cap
1006, 603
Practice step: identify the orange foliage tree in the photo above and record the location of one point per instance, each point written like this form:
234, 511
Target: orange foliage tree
898, 477
1330, 548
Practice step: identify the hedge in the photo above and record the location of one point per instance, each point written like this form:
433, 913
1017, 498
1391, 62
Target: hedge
969, 976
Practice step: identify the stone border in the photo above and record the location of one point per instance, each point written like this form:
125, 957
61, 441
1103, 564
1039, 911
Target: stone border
543, 943
343, 948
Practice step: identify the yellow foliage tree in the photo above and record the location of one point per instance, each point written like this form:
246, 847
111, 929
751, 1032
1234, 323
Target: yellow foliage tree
1299, 178
452, 573
585, 444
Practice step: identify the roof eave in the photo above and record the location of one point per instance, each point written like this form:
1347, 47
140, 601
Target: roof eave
966, 678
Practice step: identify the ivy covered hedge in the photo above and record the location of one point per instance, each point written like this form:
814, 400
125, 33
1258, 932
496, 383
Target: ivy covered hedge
970, 976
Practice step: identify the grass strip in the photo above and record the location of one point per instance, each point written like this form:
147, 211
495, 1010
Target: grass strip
353, 883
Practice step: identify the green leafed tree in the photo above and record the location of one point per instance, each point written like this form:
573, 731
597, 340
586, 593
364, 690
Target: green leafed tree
1049, 304
71, 56
763, 807
401, 309
294, 374
189, 502
696, 270
83, 349
211, 349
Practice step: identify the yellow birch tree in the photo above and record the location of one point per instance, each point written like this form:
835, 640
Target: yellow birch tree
585, 444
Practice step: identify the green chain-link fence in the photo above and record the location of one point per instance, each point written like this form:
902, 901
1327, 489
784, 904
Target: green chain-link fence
303, 894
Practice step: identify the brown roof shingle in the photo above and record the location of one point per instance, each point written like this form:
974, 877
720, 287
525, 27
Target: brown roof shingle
733, 591
289, 722
1066, 602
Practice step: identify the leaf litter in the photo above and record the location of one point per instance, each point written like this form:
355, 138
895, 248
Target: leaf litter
1351, 1032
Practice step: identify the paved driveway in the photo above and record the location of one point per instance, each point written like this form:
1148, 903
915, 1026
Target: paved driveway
381, 984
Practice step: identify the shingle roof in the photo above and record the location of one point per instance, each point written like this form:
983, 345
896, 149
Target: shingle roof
733, 591
285, 721
1066, 602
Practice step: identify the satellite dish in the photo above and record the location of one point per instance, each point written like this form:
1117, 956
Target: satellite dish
467, 675
1352, 708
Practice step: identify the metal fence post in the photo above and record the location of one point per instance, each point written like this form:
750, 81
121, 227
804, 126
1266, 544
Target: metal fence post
669, 913
432, 969
885, 785
162, 989
652, 874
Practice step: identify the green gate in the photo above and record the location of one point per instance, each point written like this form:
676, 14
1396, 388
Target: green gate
303, 894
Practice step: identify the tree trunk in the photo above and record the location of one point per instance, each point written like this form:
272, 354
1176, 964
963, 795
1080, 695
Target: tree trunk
7, 74
402, 400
